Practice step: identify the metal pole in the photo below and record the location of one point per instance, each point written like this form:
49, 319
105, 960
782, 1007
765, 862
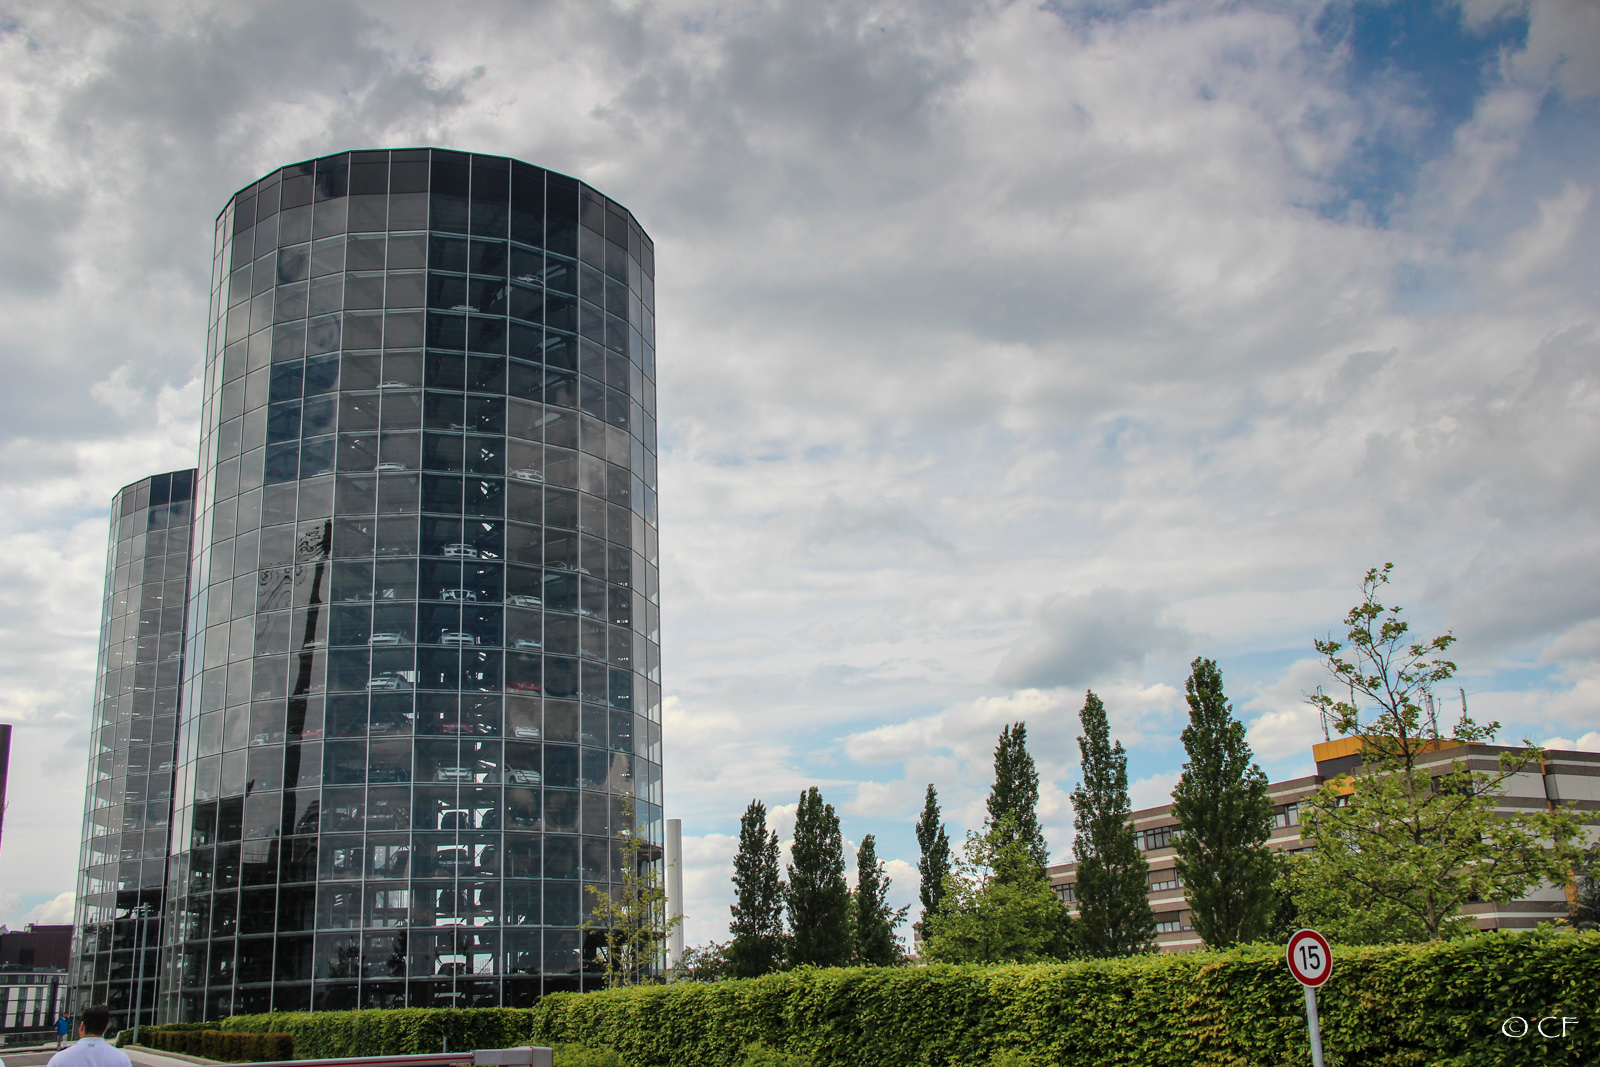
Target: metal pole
1311, 1021
144, 945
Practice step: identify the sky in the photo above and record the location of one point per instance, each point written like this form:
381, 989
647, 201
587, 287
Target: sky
1006, 350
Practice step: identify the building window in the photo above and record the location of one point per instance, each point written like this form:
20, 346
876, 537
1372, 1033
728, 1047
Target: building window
1156, 837
1289, 816
1067, 894
1167, 879
1169, 922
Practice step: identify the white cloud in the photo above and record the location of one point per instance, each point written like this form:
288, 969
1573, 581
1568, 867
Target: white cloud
991, 336
1079, 639
1589, 742
707, 869
1154, 791
56, 910
1287, 725
1544, 243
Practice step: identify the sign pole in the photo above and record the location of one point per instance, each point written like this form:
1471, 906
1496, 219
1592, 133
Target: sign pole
1310, 960
1312, 1024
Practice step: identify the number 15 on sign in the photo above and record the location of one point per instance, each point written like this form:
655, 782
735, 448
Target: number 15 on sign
1311, 962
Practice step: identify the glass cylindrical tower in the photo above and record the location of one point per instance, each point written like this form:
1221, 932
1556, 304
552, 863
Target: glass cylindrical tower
122, 873
424, 672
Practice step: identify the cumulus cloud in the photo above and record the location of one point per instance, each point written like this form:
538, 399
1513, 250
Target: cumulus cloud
1589, 742
56, 910
1064, 338
1286, 726
1076, 640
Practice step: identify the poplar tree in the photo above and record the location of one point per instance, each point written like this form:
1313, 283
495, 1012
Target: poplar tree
819, 898
934, 863
757, 927
1224, 817
874, 919
1114, 916
1016, 792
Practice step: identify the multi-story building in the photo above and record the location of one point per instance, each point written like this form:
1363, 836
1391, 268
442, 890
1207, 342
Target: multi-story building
423, 673
33, 980
1568, 777
123, 867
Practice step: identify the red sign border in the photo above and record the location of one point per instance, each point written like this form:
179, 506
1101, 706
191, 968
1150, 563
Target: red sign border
1288, 955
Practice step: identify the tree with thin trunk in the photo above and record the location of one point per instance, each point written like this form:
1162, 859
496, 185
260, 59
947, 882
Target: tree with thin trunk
632, 917
757, 927
1015, 794
875, 921
1225, 818
819, 897
934, 863
1403, 843
1114, 917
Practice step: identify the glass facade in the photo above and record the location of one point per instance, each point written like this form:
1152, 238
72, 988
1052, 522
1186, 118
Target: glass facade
422, 626
122, 873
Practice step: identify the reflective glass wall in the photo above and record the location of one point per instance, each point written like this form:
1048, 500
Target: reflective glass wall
123, 867
424, 631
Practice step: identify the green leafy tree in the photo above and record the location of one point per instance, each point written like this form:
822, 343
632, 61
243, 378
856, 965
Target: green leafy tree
1583, 909
1114, 916
1399, 846
998, 906
1285, 912
703, 963
874, 919
819, 898
1225, 817
632, 917
1015, 793
758, 943
934, 863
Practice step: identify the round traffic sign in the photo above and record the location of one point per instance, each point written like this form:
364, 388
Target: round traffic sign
1310, 958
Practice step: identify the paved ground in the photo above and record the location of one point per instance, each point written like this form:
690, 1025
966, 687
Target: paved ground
26, 1057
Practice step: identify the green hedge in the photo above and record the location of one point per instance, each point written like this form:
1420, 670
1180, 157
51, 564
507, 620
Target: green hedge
387, 1032
206, 1041
1434, 1005
1438, 1005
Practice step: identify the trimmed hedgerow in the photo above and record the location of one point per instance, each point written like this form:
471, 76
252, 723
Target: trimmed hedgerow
208, 1042
1393, 1006
1432, 1005
384, 1032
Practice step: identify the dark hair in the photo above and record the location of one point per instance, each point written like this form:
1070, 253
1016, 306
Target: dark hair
95, 1020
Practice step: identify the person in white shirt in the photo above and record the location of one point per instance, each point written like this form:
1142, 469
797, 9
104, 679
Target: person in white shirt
91, 1049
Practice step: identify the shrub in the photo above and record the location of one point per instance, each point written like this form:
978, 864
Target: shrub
1010, 1057
206, 1041
761, 1056
1439, 1004
384, 1032
584, 1056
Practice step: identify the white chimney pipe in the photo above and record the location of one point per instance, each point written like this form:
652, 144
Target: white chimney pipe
674, 894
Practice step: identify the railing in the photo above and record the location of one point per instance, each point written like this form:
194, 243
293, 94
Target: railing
12, 1038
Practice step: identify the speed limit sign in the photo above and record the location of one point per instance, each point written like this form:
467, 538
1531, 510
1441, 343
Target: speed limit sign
1310, 959
1311, 962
